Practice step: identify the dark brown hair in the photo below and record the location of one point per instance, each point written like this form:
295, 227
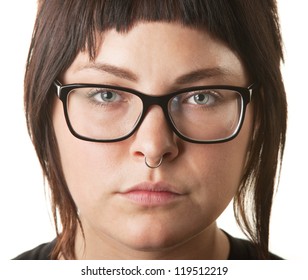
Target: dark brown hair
249, 27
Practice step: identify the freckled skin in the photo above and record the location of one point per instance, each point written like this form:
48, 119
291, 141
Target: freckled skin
207, 175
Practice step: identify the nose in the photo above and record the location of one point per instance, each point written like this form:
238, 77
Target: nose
154, 139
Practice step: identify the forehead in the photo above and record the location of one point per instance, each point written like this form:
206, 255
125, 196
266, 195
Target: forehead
168, 50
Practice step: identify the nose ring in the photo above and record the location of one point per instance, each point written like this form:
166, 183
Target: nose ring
153, 166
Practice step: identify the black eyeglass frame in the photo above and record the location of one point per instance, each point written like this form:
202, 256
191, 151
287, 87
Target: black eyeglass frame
148, 101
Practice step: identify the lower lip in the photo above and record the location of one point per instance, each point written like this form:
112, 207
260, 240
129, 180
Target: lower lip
151, 198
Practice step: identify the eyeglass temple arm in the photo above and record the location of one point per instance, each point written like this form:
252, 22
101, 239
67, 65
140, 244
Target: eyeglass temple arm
58, 86
251, 88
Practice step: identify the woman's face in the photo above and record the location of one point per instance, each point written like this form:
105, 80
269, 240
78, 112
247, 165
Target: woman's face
122, 203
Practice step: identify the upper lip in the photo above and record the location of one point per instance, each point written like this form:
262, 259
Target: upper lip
153, 187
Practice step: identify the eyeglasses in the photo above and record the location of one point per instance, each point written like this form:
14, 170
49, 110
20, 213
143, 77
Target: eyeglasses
105, 113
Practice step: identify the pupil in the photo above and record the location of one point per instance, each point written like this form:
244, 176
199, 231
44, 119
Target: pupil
107, 95
200, 98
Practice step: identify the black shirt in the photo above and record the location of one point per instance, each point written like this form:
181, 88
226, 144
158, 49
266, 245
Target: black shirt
240, 249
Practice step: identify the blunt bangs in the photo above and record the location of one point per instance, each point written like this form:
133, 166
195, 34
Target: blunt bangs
77, 23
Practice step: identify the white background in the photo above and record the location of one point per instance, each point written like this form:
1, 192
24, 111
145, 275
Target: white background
24, 207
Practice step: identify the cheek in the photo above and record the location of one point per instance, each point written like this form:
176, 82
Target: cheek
219, 168
216, 176
88, 167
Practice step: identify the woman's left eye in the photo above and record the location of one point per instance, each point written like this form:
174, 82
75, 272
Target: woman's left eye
201, 99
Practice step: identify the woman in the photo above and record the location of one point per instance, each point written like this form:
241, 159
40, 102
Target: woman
148, 117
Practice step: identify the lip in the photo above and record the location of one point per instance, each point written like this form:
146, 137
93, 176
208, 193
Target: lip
152, 194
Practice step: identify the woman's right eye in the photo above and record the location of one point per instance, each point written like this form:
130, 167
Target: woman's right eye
106, 96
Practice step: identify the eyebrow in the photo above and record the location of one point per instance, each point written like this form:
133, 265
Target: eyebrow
113, 70
201, 74
191, 77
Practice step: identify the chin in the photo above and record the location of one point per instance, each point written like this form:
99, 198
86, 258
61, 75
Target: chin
155, 238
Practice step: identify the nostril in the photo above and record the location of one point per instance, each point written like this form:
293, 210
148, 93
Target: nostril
139, 154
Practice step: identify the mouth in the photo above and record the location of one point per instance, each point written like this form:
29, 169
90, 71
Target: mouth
152, 194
